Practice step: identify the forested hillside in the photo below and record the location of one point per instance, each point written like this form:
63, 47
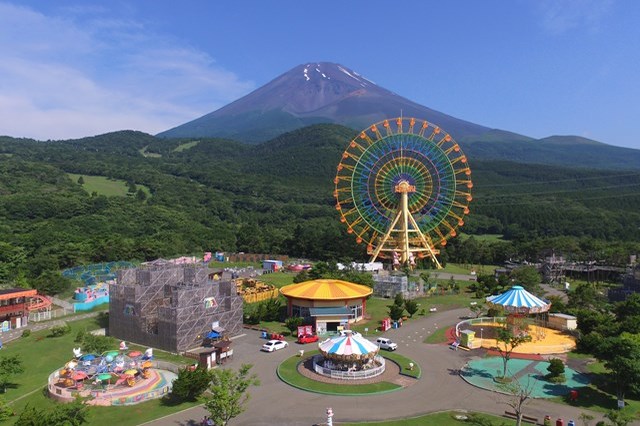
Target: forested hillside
275, 197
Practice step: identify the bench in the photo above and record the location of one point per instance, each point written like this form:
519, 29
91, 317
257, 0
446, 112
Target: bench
525, 418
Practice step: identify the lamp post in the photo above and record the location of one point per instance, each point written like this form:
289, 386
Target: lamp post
481, 339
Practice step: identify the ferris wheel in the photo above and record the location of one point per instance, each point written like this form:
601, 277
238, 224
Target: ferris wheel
403, 187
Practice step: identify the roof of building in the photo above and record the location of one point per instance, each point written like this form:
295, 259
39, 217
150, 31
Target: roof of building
326, 289
10, 293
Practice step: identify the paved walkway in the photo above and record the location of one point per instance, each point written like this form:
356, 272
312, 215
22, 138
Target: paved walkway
440, 388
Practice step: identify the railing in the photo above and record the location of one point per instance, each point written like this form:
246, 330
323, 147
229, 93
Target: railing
349, 375
483, 320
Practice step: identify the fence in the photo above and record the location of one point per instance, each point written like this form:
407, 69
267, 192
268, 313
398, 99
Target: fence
349, 375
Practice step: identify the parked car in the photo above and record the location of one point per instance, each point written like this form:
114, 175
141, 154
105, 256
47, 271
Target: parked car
274, 345
308, 338
386, 344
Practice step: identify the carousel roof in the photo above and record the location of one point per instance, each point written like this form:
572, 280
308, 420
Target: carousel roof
348, 344
326, 289
517, 299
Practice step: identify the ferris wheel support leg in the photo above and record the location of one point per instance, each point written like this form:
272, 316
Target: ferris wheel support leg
384, 240
426, 243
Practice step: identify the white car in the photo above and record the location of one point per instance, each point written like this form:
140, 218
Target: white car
274, 345
387, 344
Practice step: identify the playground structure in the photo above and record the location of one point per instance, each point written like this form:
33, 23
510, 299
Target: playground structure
19, 305
544, 340
96, 279
403, 187
253, 290
112, 378
348, 357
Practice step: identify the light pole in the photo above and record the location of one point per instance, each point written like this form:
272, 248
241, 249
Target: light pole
481, 339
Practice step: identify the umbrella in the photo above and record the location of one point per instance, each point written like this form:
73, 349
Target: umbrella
71, 364
134, 354
112, 353
104, 376
147, 364
79, 375
213, 335
131, 372
517, 300
348, 347
87, 357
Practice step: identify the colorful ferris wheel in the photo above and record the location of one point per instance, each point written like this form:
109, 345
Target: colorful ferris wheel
403, 187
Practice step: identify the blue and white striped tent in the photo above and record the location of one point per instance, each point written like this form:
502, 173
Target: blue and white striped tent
348, 347
517, 300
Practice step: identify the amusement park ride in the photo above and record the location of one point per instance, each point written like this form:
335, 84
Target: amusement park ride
403, 187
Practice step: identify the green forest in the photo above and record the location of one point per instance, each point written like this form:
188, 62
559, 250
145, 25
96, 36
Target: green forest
188, 196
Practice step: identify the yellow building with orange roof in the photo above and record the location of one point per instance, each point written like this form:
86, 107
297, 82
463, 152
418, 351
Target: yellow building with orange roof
328, 303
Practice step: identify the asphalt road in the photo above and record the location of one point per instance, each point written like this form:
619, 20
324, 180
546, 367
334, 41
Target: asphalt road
440, 388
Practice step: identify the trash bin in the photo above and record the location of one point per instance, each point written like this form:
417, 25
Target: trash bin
547, 420
264, 334
571, 423
559, 422
395, 324
573, 395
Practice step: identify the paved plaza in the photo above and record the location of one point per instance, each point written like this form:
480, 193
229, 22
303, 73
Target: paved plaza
440, 388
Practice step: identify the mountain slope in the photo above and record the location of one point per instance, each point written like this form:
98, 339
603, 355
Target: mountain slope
321, 92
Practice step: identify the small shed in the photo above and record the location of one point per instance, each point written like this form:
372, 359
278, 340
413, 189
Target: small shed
563, 322
219, 353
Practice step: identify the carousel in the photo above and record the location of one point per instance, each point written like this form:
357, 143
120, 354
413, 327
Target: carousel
519, 304
348, 356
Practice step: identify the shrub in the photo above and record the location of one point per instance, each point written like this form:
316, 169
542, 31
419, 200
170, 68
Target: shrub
59, 330
26, 333
555, 368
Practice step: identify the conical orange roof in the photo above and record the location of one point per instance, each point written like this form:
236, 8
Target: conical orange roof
326, 289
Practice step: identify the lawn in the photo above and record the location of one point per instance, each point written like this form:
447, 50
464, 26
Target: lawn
41, 355
438, 336
105, 186
288, 372
441, 419
185, 146
599, 395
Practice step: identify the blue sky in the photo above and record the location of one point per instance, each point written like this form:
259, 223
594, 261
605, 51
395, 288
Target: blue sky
536, 67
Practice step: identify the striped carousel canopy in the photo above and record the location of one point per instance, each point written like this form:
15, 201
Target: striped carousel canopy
520, 301
348, 346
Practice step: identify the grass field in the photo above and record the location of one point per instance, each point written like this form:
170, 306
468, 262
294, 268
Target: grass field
146, 153
185, 146
41, 355
288, 372
104, 186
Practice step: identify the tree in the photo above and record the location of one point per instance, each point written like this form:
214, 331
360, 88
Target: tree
229, 393
526, 276
620, 417
477, 309
519, 394
621, 355
80, 180
509, 343
51, 283
411, 306
140, 195
190, 383
10, 366
396, 312
292, 323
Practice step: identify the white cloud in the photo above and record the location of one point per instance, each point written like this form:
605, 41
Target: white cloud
559, 16
65, 78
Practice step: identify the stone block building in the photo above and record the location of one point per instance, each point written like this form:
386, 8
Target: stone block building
172, 307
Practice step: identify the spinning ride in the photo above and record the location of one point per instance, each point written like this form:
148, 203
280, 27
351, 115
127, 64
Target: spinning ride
403, 187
